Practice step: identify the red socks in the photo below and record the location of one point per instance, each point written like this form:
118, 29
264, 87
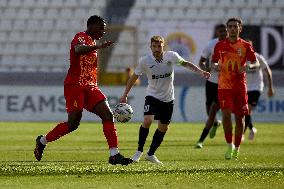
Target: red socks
229, 137
238, 140
60, 130
110, 134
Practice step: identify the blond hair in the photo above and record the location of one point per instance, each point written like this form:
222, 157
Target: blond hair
157, 38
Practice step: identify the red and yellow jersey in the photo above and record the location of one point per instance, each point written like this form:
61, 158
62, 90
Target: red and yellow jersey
231, 57
83, 67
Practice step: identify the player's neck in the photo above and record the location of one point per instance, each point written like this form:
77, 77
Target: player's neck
159, 58
89, 34
233, 39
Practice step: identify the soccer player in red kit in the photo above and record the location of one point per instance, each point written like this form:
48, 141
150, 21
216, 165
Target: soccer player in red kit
229, 58
81, 91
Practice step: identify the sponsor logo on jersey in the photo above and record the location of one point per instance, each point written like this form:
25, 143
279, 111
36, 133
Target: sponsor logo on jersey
161, 76
233, 64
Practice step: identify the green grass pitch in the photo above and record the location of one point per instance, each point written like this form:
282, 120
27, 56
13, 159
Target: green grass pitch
79, 160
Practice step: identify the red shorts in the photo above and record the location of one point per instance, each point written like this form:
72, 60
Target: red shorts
78, 97
234, 100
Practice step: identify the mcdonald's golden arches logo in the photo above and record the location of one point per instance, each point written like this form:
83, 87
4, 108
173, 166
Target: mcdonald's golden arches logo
232, 64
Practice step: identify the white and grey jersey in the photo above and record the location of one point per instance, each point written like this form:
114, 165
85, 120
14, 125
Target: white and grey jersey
160, 74
207, 53
255, 79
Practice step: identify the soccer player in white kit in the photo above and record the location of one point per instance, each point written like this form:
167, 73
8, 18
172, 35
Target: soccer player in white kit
255, 87
212, 103
159, 101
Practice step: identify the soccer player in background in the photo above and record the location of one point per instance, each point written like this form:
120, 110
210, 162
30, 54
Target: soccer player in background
255, 86
229, 58
159, 101
211, 87
81, 91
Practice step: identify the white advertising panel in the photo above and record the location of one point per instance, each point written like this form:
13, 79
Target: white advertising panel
48, 104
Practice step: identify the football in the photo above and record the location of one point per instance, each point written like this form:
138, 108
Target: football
122, 112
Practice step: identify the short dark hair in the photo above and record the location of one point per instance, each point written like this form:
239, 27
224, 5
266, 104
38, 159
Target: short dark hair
221, 26
236, 20
95, 19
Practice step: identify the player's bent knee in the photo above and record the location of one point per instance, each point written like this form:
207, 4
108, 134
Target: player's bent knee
163, 129
108, 117
73, 125
165, 121
215, 107
147, 121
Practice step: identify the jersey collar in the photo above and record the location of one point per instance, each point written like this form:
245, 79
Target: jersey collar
161, 61
239, 39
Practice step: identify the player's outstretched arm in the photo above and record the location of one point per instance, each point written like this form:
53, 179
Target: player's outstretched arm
254, 65
268, 72
83, 49
202, 64
250, 67
195, 69
129, 85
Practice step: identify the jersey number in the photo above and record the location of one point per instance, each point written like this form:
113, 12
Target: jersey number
146, 108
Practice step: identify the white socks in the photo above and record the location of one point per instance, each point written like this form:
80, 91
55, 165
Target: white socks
231, 145
113, 151
43, 140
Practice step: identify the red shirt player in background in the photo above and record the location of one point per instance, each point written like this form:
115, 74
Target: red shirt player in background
81, 91
229, 57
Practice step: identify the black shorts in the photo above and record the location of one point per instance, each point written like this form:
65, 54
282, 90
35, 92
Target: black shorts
253, 97
211, 91
162, 111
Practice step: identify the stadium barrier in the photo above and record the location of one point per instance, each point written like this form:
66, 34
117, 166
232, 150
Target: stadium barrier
34, 103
